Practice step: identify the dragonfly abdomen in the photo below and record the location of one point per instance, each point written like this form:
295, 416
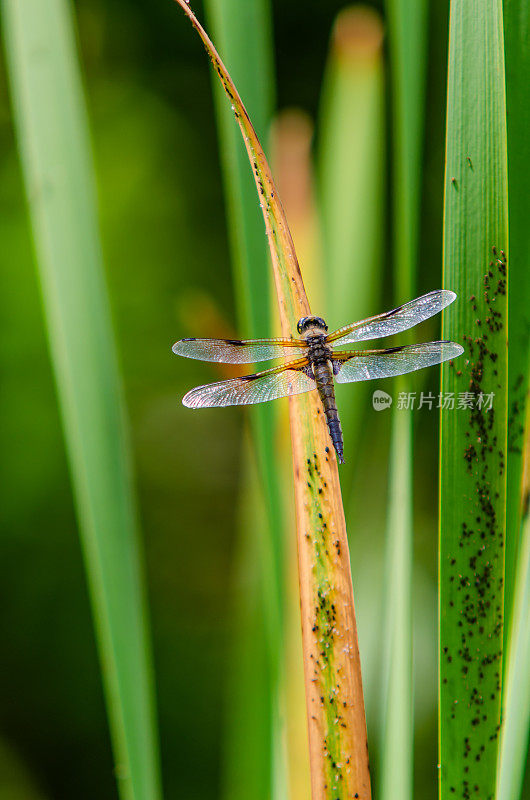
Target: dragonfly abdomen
326, 389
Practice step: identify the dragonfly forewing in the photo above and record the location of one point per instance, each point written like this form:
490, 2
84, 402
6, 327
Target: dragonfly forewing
238, 351
395, 321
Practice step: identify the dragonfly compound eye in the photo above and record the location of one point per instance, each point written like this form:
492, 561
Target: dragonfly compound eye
306, 322
301, 324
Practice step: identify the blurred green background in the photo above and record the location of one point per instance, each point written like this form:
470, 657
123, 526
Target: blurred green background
165, 245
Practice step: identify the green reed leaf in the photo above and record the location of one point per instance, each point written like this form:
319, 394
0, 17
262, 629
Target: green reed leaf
473, 440
54, 146
407, 33
513, 750
397, 706
517, 39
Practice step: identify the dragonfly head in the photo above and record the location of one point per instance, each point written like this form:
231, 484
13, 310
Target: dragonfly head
311, 322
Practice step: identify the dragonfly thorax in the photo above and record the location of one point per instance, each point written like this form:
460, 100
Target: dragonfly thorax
312, 326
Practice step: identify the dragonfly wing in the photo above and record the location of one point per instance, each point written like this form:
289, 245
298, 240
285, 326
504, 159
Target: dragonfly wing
293, 378
238, 351
370, 364
395, 321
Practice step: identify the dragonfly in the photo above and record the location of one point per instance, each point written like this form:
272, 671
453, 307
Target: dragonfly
314, 363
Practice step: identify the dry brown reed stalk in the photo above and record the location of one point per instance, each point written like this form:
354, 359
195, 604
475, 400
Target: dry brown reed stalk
334, 696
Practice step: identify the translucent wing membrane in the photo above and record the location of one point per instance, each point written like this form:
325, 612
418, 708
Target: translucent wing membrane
370, 364
238, 351
293, 378
395, 321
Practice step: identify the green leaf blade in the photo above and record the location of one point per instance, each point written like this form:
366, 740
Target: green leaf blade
407, 23
473, 441
54, 143
513, 751
517, 39
397, 708
407, 34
